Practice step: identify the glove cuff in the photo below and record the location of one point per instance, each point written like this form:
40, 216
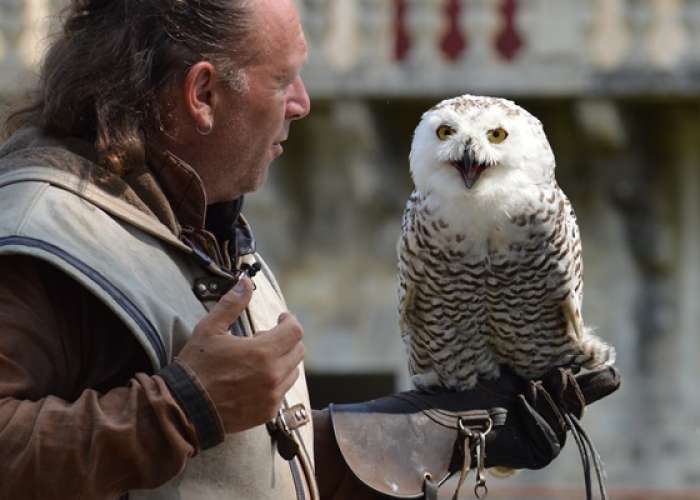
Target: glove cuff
394, 444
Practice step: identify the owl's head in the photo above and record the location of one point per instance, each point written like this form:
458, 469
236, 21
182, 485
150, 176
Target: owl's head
469, 144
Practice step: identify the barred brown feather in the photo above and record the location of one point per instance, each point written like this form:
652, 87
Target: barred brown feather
492, 274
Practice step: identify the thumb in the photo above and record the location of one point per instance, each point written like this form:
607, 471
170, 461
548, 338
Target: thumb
229, 307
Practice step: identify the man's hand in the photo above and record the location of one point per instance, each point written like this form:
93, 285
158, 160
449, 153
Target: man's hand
246, 378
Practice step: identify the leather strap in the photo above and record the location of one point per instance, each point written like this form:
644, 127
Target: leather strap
280, 429
430, 488
570, 400
589, 455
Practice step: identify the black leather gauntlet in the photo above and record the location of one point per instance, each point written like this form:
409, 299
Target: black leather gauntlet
408, 444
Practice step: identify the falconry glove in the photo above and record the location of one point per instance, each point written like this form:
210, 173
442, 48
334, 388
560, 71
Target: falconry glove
409, 444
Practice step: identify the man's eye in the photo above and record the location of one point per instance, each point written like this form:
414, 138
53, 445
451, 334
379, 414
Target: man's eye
286, 80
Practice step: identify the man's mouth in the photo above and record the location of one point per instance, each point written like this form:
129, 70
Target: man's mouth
469, 168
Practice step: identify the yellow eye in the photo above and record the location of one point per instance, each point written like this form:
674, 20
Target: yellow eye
497, 135
444, 131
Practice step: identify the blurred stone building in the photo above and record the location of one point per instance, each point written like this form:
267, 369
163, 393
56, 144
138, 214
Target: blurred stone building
616, 84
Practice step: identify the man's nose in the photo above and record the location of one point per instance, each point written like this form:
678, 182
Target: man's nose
298, 102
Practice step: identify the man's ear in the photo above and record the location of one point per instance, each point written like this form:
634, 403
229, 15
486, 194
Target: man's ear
199, 95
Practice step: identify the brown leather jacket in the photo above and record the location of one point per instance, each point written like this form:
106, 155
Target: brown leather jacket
81, 414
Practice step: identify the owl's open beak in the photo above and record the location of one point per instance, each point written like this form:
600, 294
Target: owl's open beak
469, 168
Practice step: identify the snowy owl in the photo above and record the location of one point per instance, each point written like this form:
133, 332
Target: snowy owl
490, 267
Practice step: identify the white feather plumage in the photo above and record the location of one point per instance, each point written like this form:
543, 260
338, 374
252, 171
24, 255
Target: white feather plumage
491, 274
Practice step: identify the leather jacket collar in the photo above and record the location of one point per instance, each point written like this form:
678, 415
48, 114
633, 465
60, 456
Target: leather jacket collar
198, 220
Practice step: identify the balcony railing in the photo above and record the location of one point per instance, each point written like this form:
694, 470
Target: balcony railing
527, 47
427, 47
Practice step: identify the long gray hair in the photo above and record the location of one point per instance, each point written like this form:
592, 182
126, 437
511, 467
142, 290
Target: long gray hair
102, 73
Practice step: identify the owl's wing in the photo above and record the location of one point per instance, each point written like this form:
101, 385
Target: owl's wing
407, 293
407, 287
576, 249
574, 260
408, 262
594, 352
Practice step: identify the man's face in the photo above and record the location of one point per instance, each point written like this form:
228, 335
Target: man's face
251, 126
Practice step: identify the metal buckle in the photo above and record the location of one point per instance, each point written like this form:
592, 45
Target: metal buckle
480, 489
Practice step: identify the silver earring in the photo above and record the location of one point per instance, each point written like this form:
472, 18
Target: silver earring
205, 131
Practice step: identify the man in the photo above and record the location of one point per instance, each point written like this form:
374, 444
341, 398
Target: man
120, 233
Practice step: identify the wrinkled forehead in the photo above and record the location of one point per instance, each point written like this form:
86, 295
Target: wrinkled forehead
278, 19
278, 43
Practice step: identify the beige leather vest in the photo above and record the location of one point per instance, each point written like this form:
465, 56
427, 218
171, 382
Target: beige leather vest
145, 275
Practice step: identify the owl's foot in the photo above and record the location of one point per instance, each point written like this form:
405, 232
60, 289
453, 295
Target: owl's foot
594, 353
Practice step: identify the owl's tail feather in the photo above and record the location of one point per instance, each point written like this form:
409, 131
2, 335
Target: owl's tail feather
595, 353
